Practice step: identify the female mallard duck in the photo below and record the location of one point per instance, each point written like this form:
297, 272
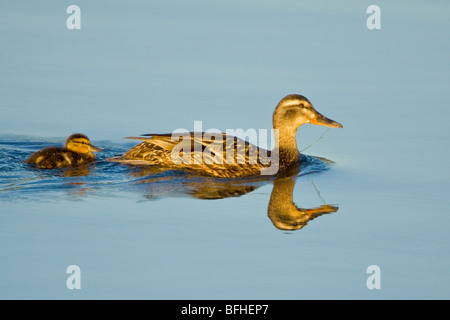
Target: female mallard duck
77, 151
205, 153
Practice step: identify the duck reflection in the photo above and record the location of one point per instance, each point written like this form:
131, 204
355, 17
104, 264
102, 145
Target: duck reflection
174, 184
282, 210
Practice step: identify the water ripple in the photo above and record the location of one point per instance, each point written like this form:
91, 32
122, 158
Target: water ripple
19, 181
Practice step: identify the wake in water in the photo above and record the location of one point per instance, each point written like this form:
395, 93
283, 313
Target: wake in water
20, 181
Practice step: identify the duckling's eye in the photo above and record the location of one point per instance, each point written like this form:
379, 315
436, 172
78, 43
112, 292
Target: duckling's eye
82, 142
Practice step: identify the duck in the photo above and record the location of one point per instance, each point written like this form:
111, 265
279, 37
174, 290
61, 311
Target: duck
224, 156
77, 151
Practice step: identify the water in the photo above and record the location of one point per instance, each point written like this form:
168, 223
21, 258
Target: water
147, 67
21, 181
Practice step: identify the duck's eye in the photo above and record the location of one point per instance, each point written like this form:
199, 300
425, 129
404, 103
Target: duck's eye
290, 113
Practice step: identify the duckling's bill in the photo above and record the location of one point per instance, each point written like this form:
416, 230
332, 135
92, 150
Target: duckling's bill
94, 148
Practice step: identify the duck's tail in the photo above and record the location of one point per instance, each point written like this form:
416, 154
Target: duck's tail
122, 160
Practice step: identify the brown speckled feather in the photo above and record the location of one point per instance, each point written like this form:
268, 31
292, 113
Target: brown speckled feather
203, 153
57, 157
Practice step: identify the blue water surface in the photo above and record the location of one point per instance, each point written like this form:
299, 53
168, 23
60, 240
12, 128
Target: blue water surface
141, 67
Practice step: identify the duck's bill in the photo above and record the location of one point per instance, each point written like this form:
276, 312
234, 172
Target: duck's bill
321, 120
95, 149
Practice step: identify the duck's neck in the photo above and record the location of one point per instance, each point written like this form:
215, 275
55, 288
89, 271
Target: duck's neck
286, 145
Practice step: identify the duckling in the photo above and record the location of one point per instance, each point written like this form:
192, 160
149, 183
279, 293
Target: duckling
76, 151
291, 112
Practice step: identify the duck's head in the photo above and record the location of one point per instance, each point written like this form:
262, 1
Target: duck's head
80, 143
294, 110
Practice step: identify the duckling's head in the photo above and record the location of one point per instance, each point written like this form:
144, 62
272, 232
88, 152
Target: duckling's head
294, 110
80, 143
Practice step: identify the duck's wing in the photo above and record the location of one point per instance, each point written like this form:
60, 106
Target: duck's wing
164, 141
152, 151
211, 147
217, 153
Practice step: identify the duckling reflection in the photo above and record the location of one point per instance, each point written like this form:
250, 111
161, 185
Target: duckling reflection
282, 211
77, 171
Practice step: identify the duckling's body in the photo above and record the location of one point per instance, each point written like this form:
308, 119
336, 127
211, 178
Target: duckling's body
77, 151
226, 156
